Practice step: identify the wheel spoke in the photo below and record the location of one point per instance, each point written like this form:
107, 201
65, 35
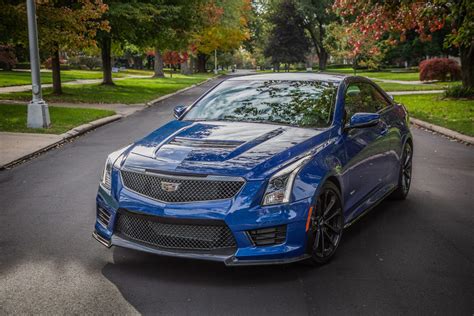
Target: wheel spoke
332, 215
334, 229
407, 173
326, 199
322, 243
329, 238
316, 240
329, 207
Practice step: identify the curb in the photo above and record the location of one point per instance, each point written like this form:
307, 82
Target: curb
81, 129
443, 130
153, 102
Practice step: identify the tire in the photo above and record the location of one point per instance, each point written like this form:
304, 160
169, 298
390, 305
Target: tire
326, 225
405, 174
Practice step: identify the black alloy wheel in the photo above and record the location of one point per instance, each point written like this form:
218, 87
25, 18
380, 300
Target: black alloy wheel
326, 224
405, 177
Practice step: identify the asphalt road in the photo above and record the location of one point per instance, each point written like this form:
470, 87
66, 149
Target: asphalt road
410, 257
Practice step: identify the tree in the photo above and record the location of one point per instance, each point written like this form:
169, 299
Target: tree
223, 27
374, 19
345, 44
66, 25
317, 15
287, 42
174, 58
172, 28
128, 21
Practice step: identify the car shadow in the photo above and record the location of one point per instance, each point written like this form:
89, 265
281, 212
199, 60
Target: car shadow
154, 284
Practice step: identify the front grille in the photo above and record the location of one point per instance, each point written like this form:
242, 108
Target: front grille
268, 236
103, 217
180, 189
165, 233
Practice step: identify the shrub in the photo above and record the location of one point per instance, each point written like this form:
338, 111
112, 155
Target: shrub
459, 92
7, 57
442, 69
23, 65
85, 62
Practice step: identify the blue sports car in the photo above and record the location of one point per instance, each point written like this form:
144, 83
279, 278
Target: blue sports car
261, 169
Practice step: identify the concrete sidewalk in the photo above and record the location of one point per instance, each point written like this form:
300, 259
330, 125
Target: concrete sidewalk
122, 109
13, 146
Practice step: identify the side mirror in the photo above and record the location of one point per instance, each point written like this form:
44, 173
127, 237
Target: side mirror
179, 111
360, 120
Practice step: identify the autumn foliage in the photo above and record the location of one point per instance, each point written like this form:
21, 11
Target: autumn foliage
174, 58
442, 69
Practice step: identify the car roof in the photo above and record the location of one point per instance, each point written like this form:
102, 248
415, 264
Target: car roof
291, 76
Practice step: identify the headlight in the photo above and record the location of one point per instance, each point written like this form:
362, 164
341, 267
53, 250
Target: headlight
112, 161
281, 183
107, 174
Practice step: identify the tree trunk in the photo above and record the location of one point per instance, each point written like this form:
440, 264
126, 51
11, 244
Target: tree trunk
106, 54
185, 69
317, 40
56, 68
467, 65
201, 62
192, 64
323, 58
159, 73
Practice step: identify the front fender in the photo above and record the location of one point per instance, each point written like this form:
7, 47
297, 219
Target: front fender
325, 165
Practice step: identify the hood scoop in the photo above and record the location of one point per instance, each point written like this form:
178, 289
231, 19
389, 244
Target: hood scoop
205, 143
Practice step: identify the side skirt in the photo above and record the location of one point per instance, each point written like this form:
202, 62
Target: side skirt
356, 219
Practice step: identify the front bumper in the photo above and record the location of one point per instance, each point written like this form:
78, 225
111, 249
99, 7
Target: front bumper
293, 215
229, 260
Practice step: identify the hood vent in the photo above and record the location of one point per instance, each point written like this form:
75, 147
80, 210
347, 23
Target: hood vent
204, 143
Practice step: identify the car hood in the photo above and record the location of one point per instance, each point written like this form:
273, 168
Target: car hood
250, 150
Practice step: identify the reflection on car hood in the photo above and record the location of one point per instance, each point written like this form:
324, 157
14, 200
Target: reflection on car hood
250, 150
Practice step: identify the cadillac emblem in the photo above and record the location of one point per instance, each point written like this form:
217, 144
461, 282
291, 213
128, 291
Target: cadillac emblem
170, 186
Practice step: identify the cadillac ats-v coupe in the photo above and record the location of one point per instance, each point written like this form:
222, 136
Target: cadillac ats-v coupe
261, 169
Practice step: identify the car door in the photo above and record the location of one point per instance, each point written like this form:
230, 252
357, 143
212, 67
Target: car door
365, 148
390, 115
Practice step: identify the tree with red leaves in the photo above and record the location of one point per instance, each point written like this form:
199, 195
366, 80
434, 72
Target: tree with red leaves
174, 58
375, 19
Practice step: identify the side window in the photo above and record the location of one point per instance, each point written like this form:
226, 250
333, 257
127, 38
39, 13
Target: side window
363, 97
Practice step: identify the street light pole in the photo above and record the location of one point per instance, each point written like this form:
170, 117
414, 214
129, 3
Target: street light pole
38, 112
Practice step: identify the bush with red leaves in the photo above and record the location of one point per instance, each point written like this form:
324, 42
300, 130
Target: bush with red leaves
7, 57
442, 69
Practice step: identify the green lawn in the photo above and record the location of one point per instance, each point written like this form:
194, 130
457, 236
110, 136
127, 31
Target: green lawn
457, 115
128, 91
16, 78
390, 75
389, 86
13, 118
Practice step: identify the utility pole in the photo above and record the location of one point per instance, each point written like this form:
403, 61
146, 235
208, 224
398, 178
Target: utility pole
215, 61
38, 112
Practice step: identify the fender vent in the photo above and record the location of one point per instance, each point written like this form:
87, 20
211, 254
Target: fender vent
103, 217
268, 236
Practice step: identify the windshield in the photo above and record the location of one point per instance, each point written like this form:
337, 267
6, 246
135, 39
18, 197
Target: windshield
296, 103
